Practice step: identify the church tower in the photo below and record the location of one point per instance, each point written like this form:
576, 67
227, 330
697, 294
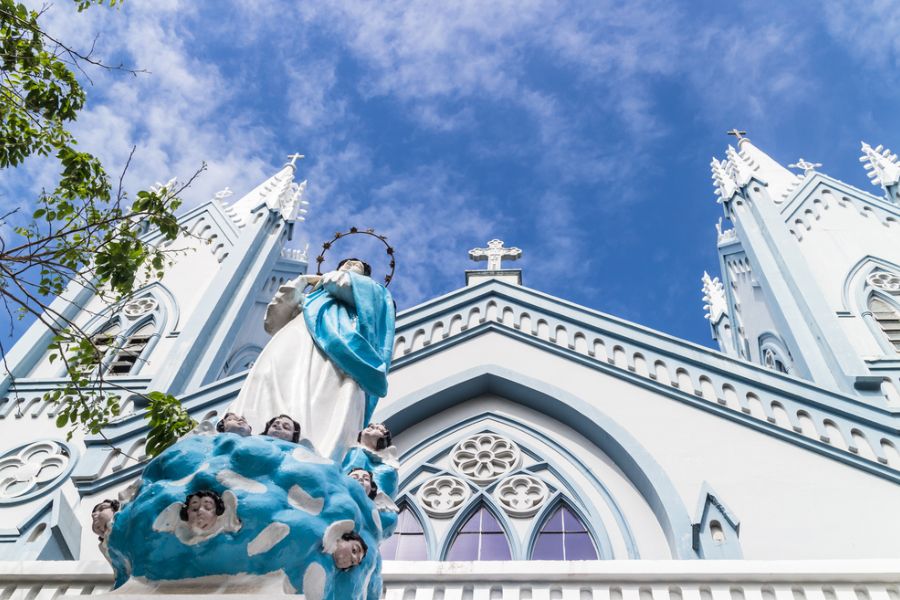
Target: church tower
810, 271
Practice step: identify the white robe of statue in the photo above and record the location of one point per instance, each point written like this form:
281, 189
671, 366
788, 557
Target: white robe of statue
293, 377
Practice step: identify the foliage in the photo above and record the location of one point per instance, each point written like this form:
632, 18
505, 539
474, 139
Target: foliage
168, 421
81, 235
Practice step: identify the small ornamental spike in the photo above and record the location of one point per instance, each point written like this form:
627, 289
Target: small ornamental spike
722, 180
714, 297
882, 165
740, 167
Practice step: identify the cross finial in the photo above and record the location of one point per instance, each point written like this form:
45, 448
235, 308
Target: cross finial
223, 193
739, 134
494, 254
807, 166
294, 157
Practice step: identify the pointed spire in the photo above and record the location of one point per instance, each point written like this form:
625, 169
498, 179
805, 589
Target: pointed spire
714, 297
780, 181
279, 193
882, 165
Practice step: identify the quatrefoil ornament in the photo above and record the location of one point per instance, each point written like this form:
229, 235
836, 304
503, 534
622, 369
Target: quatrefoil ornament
34, 467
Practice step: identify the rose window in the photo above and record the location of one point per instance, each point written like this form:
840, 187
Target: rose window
136, 308
35, 467
521, 495
484, 458
888, 282
443, 496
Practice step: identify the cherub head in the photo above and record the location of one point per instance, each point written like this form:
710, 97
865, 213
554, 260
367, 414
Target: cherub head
364, 478
284, 428
349, 551
355, 265
202, 509
102, 515
233, 423
376, 436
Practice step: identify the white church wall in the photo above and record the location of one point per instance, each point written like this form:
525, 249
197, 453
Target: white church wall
781, 493
185, 281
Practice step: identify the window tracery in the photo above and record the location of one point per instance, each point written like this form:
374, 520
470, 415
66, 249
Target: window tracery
563, 537
883, 280
888, 318
485, 457
480, 538
443, 496
408, 541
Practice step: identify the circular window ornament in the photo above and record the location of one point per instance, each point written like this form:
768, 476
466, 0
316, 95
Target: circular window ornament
485, 458
137, 308
889, 282
29, 471
521, 495
443, 496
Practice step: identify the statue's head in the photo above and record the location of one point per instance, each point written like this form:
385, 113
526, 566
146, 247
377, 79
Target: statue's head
364, 477
356, 265
284, 428
376, 436
233, 423
349, 551
102, 515
202, 509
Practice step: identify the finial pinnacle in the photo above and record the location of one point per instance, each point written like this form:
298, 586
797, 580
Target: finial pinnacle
738, 133
808, 167
494, 254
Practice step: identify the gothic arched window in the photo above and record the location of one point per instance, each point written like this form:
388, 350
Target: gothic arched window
563, 537
480, 538
408, 541
131, 349
772, 361
888, 318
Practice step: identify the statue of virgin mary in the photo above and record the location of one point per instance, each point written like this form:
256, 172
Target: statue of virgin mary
327, 366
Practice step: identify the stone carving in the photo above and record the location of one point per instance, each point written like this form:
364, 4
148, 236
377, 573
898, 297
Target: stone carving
443, 496
521, 495
375, 437
232, 423
35, 467
346, 547
283, 520
485, 457
139, 307
889, 282
102, 516
284, 428
328, 365
364, 478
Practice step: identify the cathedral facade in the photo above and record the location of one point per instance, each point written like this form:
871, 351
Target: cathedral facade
547, 450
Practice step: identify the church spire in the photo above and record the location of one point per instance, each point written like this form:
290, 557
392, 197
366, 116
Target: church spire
280, 193
748, 162
883, 168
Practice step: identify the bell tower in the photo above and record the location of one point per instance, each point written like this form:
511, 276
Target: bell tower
810, 270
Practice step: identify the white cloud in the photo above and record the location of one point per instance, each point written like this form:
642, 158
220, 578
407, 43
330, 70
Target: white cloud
869, 30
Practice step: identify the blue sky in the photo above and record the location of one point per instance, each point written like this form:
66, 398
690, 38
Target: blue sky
581, 132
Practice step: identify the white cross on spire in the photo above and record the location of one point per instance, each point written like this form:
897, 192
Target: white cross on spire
294, 157
494, 254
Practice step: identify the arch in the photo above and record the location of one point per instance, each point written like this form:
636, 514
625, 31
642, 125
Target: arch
241, 359
553, 539
409, 540
773, 353
478, 534
632, 459
886, 314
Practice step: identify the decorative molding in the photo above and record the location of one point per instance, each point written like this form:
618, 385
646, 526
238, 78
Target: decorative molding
485, 457
32, 470
521, 495
443, 496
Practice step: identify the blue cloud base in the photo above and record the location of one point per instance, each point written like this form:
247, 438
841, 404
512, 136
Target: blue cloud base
262, 473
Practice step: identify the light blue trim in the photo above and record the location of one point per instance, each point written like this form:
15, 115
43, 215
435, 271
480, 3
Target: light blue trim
575, 495
407, 500
710, 507
857, 291
637, 464
62, 532
238, 357
770, 340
